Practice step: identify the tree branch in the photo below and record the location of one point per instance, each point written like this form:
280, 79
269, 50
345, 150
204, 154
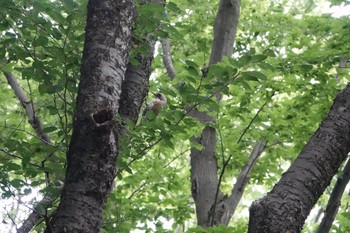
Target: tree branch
334, 200
168, 64
36, 215
204, 178
94, 144
135, 86
223, 210
28, 107
35, 122
291, 200
243, 179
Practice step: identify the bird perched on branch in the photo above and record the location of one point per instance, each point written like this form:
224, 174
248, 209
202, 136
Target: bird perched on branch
156, 105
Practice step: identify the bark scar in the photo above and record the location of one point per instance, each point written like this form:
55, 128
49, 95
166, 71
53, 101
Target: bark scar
102, 117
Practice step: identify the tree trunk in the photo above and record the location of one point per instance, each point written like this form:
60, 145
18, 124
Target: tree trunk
335, 200
286, 207
93, 148
136, 84
204, 178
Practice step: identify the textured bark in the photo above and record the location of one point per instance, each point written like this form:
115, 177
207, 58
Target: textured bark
134, 90
93, 148
203, 163
286, 207
136, 84
334, 200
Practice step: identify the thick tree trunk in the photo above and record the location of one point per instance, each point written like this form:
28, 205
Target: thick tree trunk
93, 148
204, 178
286, 207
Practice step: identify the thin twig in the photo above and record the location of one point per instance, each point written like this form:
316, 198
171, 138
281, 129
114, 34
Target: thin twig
176, 157
148, 148
252, 120
18, 157
229, 158
225, 163
137, 190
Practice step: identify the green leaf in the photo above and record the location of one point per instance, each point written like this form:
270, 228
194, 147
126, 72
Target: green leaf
234, 62
258, 58
16, 183
192, 71
42, 41
27, 191
128, 169
245, 85
245, 59
53, 110
25, 160
173, 7
12, 166
192, 64
266, 66
253, 74
269, 52
49, 129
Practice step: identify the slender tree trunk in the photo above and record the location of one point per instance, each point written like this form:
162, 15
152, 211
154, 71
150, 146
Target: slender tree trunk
286, 207
93, 148
334, 200
204, 179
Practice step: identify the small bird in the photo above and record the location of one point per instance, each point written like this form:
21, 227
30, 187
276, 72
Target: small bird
156, 105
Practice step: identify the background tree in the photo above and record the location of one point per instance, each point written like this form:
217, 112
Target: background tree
277, 87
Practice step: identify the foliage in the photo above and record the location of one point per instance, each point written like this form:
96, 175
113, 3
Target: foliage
42, 42
216, 229
286, 64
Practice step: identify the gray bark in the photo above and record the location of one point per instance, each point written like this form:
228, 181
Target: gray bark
204, 179
28, 107
203, 162
136, 84
225, 28
168, 63
286, 207
135, 87
232, 201
93, 148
